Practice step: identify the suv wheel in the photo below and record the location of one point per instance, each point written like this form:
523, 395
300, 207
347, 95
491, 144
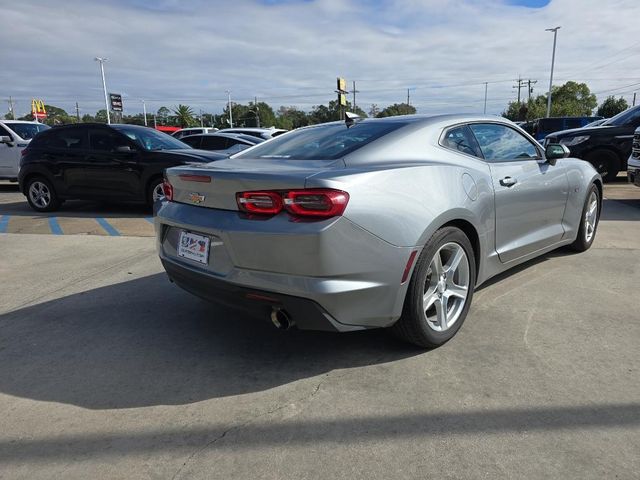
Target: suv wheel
41, 195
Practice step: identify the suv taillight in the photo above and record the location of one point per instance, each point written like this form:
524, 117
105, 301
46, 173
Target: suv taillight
167, 188
23, 152
310, 202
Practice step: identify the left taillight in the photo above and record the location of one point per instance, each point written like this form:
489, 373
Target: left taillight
23, 152
167, 188
311, 202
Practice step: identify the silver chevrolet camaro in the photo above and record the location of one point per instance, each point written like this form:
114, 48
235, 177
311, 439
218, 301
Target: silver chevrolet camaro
373, 223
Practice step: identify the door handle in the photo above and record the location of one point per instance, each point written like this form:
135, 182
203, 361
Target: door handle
508, 182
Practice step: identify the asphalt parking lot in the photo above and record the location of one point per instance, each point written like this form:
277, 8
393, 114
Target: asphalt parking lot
109, 371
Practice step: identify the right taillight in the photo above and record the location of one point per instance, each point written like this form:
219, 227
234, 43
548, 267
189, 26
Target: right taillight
167, 188
310, 202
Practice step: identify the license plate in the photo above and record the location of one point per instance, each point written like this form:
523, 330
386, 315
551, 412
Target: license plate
194, 247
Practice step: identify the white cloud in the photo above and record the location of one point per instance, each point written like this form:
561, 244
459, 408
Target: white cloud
290, 53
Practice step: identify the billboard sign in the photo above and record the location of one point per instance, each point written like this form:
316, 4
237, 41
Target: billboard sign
116, 102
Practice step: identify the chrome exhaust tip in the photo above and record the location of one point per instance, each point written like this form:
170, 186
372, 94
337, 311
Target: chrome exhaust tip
281, 319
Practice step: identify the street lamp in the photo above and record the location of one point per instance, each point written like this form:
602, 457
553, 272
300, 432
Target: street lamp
144, 111
104, 85
230, 114
553, 59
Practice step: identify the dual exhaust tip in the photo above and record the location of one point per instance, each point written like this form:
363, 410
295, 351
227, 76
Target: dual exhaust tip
281, 319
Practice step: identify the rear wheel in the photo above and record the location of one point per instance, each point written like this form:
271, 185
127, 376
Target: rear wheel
440, 290
589, 221
41, 195
155, 192
606, 163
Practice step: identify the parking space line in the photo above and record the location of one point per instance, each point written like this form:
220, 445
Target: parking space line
54, 226
4, 223
149, 219
110, 229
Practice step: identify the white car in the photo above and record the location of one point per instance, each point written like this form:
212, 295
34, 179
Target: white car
633, 164
14, 136
193, 131
265, 133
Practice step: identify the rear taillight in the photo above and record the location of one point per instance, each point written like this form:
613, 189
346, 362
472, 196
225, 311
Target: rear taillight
311, 202
267, 203
24, 152
167, 188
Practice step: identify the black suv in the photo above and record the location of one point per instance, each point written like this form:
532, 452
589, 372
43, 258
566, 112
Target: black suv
101, 162
607, 147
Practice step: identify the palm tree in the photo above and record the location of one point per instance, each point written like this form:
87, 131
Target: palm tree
184, 115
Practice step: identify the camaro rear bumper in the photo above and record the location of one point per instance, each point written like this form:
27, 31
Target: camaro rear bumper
330, 275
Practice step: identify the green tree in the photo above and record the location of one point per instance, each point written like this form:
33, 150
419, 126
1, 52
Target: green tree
162, 116
611, 107
290, 118
101, 116
184, 116
86, 118
374, 110
332, 112
397, 109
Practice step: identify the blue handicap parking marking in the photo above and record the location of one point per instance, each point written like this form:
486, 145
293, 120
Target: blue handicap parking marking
4, 223
54, 226
110, 229
149, 219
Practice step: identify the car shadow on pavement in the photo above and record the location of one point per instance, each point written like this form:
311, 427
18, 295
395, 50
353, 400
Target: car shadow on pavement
145, 342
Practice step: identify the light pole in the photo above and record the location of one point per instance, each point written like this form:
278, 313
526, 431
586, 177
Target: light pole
144, 111
104, 85
486, 86
553, 59
230, 114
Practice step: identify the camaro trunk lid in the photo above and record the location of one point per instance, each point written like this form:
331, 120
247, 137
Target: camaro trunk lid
214, 185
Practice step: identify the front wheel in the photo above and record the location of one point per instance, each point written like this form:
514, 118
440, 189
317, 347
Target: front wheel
588, 221
41, 195
440, 291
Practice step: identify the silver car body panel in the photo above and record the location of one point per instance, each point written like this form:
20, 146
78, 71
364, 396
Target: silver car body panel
403, 187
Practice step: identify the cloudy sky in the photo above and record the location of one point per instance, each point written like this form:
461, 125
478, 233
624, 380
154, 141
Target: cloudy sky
289, 52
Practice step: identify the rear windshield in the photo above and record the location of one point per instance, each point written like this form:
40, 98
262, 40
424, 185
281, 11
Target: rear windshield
325, 142
27, 130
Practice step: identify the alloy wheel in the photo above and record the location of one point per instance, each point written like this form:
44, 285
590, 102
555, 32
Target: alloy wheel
591, 217
40, 194
158, 193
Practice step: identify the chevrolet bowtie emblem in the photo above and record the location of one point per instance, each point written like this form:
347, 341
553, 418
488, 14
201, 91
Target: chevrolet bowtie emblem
196, 198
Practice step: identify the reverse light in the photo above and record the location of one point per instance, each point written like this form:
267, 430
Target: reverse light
167, 188
310, 202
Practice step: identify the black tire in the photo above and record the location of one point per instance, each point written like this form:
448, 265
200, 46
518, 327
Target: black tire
153, 184
583, 241
414, 325
41, 195
606, 163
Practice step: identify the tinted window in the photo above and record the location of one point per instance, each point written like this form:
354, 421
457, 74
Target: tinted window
150, 139
461, 139
65, 138
4, 132
27, 130
214, 143
573, 123
550, 125
325, 142
500, 143
193, 141
628, 117
105, 140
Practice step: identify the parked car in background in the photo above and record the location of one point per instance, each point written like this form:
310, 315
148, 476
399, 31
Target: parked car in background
607, 147
265, 133
633, 164
386, 222
15, 135
228, 143
541, 127
183, 132
101, 162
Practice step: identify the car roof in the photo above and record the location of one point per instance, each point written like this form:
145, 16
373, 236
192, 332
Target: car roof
226, 134
20, 121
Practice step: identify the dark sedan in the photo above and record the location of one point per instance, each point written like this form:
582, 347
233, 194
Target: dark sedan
101, 162
228, 143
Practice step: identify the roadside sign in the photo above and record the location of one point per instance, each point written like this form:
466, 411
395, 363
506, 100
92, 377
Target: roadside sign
116, 102
37, 109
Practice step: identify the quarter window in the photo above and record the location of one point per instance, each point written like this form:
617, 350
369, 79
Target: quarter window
462, 140
71, 138
500, 143
104, 140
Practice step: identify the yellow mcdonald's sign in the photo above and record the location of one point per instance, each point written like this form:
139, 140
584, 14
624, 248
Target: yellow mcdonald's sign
37, 108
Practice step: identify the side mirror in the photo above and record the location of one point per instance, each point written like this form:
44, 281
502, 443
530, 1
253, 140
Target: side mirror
123, 149
6, 139
554, 151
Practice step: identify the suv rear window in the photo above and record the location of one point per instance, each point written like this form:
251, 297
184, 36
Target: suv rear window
325, 142
63, 138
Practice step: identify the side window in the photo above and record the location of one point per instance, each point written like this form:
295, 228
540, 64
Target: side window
192, 141
574, 123
67, 138
105, 140
4, 132
462, 140
214, 143
500, 143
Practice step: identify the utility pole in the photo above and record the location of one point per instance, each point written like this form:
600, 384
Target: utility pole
408, 96
13, 112
529, 83
77, 112
144, 112
154, 121
486, 86
553, 59
255, 106
354, 91
521, 83
230, 114
104, 86
201, 119
634, 102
